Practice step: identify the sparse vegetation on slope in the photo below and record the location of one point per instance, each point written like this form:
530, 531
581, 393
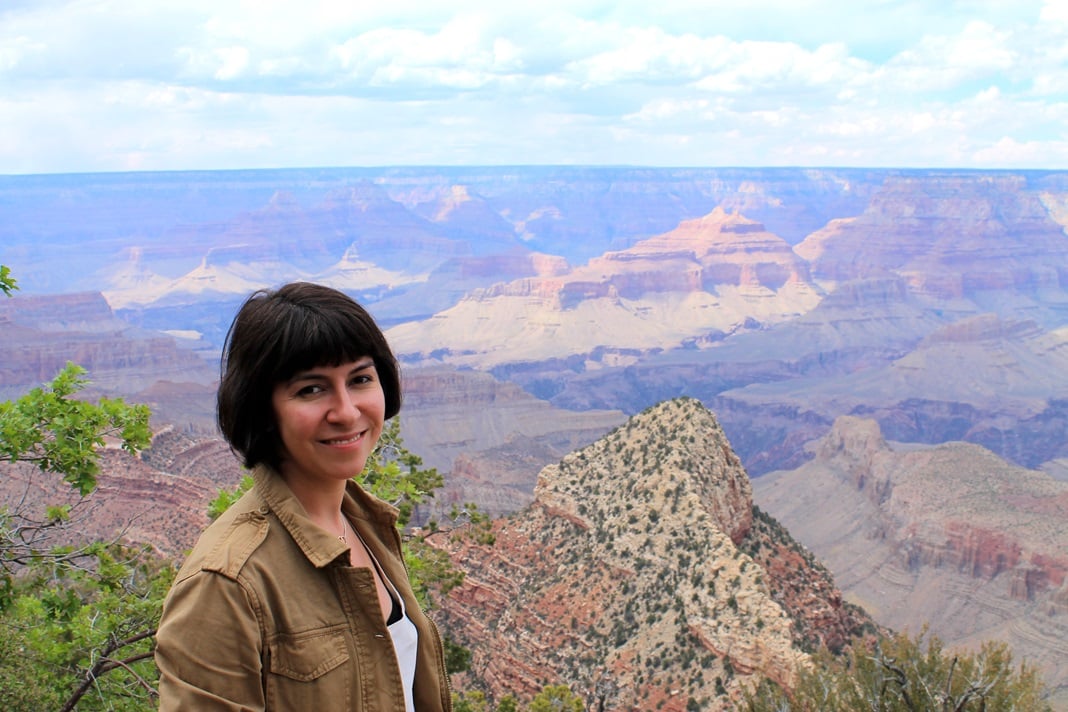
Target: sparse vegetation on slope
903, 673
637, 577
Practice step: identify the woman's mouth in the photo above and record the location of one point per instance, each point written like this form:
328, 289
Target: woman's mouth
348, 440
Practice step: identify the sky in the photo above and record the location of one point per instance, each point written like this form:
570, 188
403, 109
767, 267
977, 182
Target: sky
130, 85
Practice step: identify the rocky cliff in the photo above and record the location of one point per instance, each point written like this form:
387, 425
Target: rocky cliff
42, 334
719, 274
489, 437
953, 237
134, 501
998, 382
159, 497
681, 281
949, 535
641, 577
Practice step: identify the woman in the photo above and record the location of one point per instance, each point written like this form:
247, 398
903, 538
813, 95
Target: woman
297, 598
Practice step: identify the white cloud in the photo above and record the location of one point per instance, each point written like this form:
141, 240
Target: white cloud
783, 66
15, 49
1052, 84
461, 55
231, 62
109, 84
1054, 11
1009, 152
939, 63
661, 109
651, 55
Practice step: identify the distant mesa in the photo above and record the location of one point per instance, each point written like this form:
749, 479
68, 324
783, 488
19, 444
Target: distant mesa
47, 332
951, 237
865, 336
707, 275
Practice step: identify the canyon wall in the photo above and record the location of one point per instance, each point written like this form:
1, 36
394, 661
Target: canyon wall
948, 535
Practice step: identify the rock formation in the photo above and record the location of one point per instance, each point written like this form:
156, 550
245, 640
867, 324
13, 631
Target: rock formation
999, 382
42, 334
949, 535
489, 437
716, 274
932, 302
954, 237
640, 577
134, 501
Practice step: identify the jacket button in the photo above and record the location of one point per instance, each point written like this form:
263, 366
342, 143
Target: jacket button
264, 509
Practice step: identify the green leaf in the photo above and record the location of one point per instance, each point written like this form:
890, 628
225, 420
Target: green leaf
226, 498
58, 514
61, 434
7, 282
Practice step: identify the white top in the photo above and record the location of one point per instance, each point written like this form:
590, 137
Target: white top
404, 634
405, 644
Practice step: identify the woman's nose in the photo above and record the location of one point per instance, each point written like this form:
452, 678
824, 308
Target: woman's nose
343, 406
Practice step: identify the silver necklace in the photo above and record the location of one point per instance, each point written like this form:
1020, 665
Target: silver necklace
344, 530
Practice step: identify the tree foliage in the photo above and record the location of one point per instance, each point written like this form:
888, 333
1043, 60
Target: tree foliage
902, 673
60, 434
395, 474
85, 632
76, 616
470, 701
7, 282
225, 498
556, 698
50, 428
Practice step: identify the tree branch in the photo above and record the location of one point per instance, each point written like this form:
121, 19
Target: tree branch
106, 664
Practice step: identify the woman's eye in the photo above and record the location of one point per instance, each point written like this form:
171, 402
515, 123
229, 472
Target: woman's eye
310, 390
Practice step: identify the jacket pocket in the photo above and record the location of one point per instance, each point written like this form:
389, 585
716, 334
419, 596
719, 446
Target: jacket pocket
305, 657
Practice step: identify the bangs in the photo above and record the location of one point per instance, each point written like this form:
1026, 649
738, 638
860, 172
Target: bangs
318, 340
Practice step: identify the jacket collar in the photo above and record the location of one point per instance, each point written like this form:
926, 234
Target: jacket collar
320, 546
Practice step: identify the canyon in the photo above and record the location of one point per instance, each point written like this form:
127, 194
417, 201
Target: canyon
947, 535
536, 309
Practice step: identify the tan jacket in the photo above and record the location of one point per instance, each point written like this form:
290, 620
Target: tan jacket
266, 614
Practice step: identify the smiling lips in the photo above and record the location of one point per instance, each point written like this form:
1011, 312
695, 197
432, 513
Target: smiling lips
345, 441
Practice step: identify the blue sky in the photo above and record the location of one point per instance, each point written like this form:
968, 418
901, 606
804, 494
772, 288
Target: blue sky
113, 85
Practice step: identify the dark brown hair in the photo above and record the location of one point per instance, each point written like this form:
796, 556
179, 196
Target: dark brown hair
279, 333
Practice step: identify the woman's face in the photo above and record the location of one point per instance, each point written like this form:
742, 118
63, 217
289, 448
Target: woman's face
329, 419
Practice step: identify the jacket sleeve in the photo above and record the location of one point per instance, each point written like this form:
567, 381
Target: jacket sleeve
209, 647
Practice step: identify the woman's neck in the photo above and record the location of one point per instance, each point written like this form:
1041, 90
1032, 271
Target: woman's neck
321, 501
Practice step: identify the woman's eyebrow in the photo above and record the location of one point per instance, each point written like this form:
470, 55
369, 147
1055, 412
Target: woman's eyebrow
304, 376
312, 374
363, 363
